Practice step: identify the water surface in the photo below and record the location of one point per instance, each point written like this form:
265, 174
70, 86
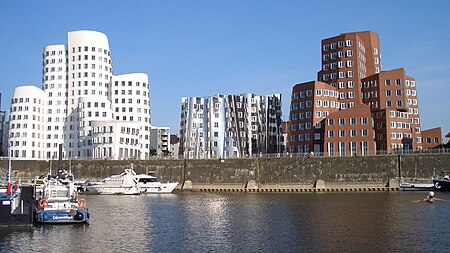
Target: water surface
247, 222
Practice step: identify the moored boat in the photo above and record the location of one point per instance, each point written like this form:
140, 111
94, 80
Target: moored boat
122, 184
442, 183
57, 201
416, 186
150, 184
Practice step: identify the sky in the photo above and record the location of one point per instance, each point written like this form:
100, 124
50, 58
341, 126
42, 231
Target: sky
204, 48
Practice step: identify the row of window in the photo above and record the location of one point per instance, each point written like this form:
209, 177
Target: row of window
130, 109
25, 108
93, 49
350, 133
130, 101
130, 92
53, 52
340, 74
13, 134
93, 66
26, 100
130, 83
85, 74
53, 61
340, 54
339, 64
93, 58
339, 44
351, 121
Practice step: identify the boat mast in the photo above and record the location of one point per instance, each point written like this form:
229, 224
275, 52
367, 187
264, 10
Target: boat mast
9, 164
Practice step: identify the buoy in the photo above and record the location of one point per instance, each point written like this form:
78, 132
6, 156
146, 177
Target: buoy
43, 203
8, 189
82, 203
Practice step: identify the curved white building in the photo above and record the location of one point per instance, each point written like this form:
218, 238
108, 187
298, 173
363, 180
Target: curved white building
83, 106
28, 133
89, 77
54, 83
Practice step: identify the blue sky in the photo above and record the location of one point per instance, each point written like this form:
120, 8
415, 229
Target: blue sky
203, 48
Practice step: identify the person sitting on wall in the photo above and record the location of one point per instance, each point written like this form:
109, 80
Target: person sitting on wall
430, 199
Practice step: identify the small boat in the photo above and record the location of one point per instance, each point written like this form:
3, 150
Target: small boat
123, 184
16, 204
415, 187
57, 201
442, 183
150, 184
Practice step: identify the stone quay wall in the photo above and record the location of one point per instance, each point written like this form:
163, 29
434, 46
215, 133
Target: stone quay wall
258, 173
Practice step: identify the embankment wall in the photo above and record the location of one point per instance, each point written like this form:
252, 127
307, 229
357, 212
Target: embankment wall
264, 171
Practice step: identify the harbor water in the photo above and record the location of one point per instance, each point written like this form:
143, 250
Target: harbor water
247, 222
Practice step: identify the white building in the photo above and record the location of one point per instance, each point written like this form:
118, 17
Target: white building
226, 126
160, 140
82, 105
28, 134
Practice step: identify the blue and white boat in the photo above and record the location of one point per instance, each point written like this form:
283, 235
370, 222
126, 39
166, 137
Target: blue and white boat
57, 201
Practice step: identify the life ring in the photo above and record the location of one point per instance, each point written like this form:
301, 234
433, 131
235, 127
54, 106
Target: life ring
82, 203
43, 203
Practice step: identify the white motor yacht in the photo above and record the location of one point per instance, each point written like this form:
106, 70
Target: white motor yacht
150, 184
123, 184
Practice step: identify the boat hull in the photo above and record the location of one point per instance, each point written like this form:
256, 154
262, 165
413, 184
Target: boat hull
441, 184
416, 187
61, 216
102, 190
163, 188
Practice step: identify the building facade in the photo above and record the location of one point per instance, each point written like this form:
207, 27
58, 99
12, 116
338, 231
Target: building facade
160, 141
82, 106
374, 110
432, 138
230, 126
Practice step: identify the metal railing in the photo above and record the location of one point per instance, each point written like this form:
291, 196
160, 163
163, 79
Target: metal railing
307, 154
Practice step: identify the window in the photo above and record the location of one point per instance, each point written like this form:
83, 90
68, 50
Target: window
316, 136
349, 53
331, 122
341, 121
387, 82
364, 121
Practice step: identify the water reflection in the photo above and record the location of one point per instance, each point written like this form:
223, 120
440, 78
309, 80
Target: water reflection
246, 222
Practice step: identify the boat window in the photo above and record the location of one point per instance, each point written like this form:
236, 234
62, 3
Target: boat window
147, 180
59, 193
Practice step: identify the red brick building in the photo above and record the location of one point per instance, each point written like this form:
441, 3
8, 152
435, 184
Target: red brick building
378, 109
432, 138
349, 132
311, 103
394, 92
